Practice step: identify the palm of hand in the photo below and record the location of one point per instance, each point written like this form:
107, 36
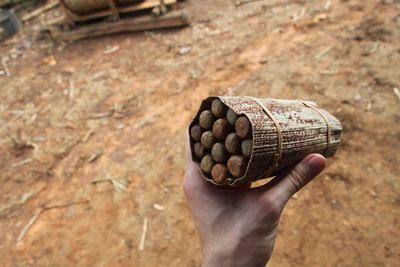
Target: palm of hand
237, 227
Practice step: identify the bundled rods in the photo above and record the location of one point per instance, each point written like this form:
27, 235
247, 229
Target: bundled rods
223, 142
237, 140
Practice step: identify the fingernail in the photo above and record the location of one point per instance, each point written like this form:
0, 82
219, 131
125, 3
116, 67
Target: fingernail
316, 163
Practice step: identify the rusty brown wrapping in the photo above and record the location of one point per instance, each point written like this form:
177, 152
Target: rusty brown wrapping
304, 131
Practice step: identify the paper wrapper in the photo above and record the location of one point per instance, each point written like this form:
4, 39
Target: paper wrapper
304, 131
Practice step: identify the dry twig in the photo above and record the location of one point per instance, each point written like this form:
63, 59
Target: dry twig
117, 185
71, 89
158, 207
57, 206
25, 197
43, 209
323, 52
87, 135
101, 115
40, 10
5, 66
396, 91
242, 2
144, 234
93, 157
29, 225
22, 162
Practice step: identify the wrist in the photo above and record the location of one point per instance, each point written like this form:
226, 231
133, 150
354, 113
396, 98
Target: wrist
216, 260
238, 259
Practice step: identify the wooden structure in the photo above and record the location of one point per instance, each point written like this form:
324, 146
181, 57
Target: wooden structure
174, 19
78, 13
114, 10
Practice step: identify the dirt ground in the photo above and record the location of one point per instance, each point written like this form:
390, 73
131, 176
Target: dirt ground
92, 132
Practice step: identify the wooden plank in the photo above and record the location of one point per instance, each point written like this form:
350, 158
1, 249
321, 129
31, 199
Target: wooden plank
173, 19
152, 3
68, 13
114, 9
123, 9
39, 11
54, 21
5, 2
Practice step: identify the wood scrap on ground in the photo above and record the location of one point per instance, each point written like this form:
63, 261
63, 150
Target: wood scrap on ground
35, 217
396, 91
242, 2
126, 25
25, 197
117, 185
22, 162
144, 234
29, 225
5, 66
148, 4
39, 11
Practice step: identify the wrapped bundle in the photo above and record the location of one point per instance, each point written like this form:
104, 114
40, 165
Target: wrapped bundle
238, 140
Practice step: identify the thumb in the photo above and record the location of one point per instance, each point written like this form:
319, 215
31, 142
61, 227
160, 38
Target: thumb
287, 184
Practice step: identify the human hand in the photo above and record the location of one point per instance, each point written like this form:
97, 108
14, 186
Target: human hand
238, 227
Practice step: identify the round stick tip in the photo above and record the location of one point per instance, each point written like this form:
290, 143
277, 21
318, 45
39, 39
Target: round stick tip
237, 165
199, 151
218, 108
243, 127
219, 152
247, 147
208, 140
221, 129
196, 132
231, 116
233, 143
207, 163
206, 119
220, 173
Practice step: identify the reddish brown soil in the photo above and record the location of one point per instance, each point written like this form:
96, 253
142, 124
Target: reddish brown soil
66, 104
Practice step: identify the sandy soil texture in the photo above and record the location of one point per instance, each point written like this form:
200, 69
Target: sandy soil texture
92, 132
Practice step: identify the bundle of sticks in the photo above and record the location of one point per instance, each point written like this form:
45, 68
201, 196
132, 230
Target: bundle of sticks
236, 140
223, 142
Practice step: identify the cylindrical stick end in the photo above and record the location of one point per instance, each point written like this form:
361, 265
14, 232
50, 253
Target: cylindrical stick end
243, 127
219, 152
218, 108
199, 151
221, 129
237, 165
233, 143
231, 116
206, 120
208, 140
207, 163
195, 132
247, 147
220, 173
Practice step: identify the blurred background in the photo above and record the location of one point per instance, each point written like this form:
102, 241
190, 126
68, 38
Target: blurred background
92, 130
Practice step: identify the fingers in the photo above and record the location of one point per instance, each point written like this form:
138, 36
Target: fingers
284, 186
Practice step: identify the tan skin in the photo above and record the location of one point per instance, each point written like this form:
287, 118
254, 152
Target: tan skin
238, 227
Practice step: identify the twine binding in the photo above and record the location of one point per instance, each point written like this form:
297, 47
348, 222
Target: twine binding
278, 153
279, 149
328, 126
